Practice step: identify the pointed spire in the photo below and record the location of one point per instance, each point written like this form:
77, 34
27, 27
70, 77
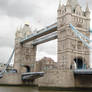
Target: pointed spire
68, 2
59, 7
87, 8
72, 3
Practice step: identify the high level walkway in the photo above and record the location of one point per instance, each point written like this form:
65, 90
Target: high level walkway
43, 32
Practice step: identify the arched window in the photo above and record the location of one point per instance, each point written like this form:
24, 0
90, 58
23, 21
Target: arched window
79, 63
27, 68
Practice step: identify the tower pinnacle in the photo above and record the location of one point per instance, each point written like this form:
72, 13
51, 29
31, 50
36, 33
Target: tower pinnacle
73, 3
87, 8
68, 2
59, 7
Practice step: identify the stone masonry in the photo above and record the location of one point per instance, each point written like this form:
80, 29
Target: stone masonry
25, 54
70, 48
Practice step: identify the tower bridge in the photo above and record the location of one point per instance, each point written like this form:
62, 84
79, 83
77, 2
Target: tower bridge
72, 33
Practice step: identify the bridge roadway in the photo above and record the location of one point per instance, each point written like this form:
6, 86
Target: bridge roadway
34, 75
42, 33
83, 72
31, 76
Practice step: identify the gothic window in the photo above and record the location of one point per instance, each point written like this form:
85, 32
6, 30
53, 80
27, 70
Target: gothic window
79, 63
80, 20
73, 19
79, 44
72, 34
26, 51
73, 45
74, 10
78, 11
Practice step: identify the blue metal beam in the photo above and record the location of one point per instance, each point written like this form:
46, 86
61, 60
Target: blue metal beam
80, 36
84, 36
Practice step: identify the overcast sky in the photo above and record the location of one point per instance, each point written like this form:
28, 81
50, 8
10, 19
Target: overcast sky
39, 13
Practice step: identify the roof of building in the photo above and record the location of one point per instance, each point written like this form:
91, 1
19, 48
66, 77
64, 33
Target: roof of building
47, 60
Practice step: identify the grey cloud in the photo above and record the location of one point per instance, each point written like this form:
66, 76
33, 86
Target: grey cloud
6, 42
30, 8
84, 3
25, 8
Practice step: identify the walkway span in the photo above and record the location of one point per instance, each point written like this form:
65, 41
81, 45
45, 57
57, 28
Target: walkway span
43, 32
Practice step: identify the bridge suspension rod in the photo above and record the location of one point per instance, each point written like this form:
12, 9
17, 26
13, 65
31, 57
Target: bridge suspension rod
9, 61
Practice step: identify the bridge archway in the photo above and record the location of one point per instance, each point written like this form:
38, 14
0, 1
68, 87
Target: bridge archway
80, 63
26, 68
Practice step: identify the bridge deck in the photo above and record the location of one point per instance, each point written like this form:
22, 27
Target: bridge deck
32, 76
83, 72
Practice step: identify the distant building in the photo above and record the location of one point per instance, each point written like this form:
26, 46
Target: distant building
45, 64
9, 68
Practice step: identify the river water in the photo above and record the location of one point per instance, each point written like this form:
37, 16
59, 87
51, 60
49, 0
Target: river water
29, 89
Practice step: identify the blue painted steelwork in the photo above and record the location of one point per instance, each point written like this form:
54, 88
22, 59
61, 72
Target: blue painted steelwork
80, 36
73, 28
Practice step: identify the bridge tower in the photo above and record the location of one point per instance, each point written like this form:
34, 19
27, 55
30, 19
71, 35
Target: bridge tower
72, 53
24, 60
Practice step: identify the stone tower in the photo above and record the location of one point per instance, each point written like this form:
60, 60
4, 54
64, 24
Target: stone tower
25, 54
72, 53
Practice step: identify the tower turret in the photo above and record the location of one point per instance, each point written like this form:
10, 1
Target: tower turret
68, 7
73, 3
59, 9
87, 11
26, 30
